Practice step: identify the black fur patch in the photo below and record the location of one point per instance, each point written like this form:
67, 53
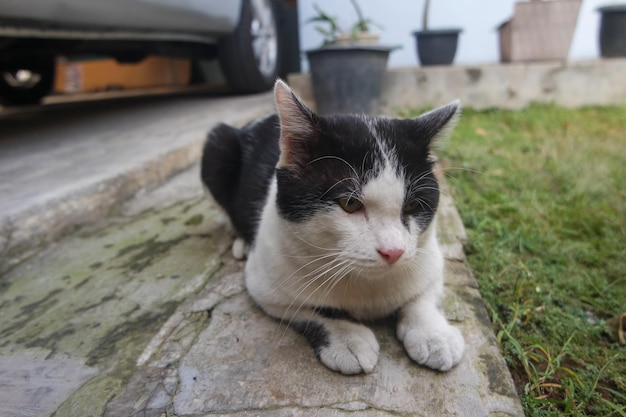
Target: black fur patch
334, 313
315, 333
237, 167
337, 162
410, 141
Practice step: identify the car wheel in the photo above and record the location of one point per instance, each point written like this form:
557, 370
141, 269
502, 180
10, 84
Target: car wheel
26, 80
250, 56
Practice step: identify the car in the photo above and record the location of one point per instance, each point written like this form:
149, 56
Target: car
242, 34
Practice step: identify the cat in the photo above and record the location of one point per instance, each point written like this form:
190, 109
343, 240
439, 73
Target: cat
336, 215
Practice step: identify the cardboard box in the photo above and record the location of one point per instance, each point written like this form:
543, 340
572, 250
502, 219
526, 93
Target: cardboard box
95, 74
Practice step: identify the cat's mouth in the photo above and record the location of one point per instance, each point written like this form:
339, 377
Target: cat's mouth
378, 265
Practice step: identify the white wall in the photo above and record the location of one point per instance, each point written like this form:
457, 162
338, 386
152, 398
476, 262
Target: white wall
477, 18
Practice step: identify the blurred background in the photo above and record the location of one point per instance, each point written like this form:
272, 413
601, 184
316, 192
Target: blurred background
479, 20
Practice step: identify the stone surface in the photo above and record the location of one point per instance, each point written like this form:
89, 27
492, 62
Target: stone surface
89, 304
245, 361
32, 385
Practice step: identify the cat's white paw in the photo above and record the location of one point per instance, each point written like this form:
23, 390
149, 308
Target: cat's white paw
437, 348
240, 249
352, 349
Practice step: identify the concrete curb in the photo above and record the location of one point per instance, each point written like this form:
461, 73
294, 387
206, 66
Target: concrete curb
23, 232
28, 230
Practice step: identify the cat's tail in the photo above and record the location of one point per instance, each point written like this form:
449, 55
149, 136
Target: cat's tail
221, 164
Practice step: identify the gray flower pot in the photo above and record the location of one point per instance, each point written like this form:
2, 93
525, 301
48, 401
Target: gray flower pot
437, 47
348, 79
613, 31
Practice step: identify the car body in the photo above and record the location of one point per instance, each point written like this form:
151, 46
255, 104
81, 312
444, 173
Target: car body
243, 34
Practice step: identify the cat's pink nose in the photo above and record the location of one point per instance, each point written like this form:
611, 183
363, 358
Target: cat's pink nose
390, 255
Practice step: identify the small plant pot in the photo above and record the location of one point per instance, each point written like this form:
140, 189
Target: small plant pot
348, 79
613, 31
437, 47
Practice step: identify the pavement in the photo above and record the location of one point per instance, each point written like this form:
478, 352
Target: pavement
127, 302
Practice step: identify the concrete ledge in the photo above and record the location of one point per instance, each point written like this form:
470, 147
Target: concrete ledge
63, 198
571, 84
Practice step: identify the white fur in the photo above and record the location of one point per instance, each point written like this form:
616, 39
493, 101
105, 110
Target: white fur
353, 348
332, 261
240, 249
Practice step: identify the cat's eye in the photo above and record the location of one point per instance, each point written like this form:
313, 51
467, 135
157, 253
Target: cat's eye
350, 204
412, 207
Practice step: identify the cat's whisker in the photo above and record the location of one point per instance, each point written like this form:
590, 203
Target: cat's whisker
322, 298
337, 158
306, 241
323, 271
364, 160
423, 177
315, 274
322, 284
288, 255
455, 168
446, 193
354, 180
449, 174
423, 187
420, 177
347, 270
415, 188
306, 276
425, 204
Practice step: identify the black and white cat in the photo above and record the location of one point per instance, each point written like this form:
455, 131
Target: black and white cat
338, 215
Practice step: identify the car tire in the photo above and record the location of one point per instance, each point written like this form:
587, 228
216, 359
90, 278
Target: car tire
23, 88
250, 56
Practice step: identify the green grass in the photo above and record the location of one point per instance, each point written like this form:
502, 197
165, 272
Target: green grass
542, 193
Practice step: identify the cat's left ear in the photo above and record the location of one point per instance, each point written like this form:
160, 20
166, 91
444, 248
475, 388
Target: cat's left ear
297, 124
437, 125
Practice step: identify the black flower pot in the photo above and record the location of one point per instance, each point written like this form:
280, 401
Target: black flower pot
613, 31
437, 47
348, 79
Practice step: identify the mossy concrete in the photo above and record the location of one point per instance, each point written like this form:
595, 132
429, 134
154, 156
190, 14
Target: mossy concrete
146, 314
93, 300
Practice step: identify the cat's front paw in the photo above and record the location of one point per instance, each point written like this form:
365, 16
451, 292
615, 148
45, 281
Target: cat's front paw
439, 349
352, 348
240, 249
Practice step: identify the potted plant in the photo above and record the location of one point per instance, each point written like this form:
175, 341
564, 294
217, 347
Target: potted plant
328, 26
613, 31
435, 47
347, 70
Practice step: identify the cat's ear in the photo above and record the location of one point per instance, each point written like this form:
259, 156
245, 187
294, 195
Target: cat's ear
297, 123
437, 125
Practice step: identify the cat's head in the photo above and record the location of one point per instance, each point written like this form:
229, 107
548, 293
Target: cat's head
358, 186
